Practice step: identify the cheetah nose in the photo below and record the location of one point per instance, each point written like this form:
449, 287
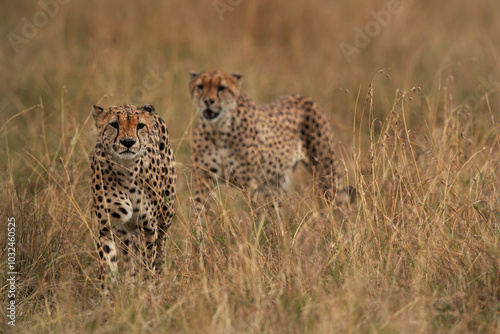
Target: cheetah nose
128, 143
209, 102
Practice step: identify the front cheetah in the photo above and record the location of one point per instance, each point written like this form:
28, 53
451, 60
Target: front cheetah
255, 147
133, 184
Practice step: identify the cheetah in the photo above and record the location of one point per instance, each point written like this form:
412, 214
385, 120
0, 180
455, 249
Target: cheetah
257, 147
133, 185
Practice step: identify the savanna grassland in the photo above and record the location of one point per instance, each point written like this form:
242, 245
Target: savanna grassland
415, 112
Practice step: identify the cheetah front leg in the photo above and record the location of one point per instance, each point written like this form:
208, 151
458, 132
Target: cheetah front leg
271, 196
127, 244
206, 179
203, 185
206, 163
149, 235
200, 197
107, 257
114, 246
164, 222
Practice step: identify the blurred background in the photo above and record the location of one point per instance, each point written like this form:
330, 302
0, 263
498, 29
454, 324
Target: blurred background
77, 53
58, 57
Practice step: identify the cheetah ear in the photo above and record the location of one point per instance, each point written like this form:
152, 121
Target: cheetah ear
194, 76
237, 76
97, 111
148, 108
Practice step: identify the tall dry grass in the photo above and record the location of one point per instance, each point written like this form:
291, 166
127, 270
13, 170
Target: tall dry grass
419, 249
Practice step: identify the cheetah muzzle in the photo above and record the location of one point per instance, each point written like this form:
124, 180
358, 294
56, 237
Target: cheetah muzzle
209, 114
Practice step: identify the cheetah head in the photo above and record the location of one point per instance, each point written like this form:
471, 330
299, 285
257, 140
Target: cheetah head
215, 94
123, 130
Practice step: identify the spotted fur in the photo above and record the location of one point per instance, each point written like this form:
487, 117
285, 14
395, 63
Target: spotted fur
257, 147
133, 185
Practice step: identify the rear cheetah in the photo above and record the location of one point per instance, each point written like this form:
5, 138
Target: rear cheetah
255, 147
133, 185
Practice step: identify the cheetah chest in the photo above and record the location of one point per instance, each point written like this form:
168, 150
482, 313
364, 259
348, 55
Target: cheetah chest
131, 203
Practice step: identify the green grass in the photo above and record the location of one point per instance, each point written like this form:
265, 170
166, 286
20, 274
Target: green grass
417, 252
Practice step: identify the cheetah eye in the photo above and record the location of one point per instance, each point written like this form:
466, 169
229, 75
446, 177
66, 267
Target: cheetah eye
200, 86
114, 125
222, 88
140, 126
